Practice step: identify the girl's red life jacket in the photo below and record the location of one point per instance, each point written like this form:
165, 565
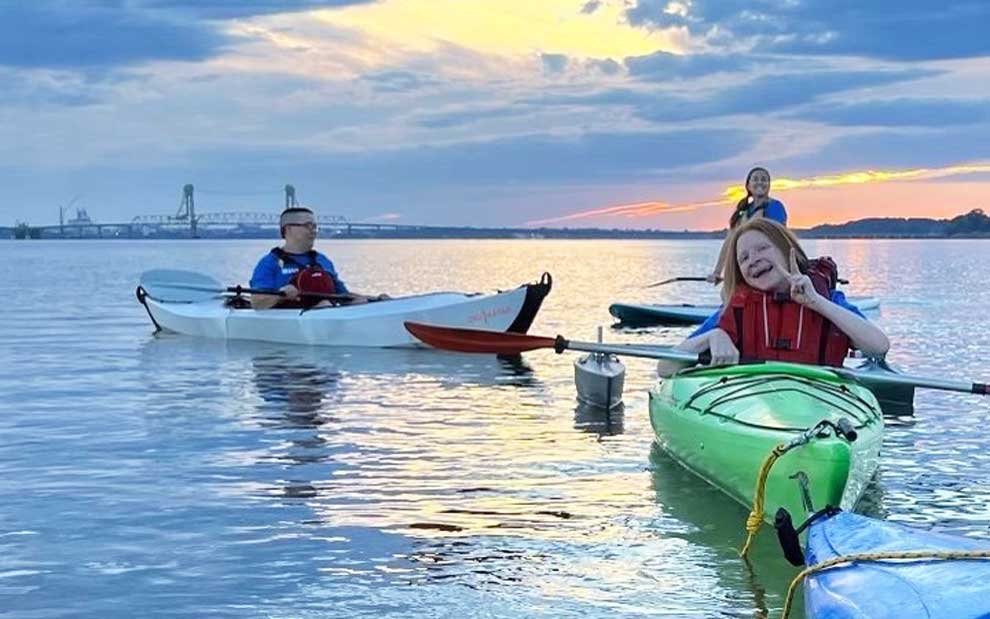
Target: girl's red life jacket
772, 327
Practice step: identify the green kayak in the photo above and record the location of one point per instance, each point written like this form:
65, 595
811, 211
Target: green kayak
722, 424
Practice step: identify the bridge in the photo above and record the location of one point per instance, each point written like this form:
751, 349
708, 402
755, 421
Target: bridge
226, 226
186, 223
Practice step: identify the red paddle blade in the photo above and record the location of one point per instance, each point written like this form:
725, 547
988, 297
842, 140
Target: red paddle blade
477, 340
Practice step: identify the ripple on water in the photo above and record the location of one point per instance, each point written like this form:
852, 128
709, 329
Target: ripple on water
147, 475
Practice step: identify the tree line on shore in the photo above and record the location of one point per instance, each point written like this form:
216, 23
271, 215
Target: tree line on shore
975, 223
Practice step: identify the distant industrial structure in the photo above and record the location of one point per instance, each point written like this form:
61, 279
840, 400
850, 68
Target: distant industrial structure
186, 223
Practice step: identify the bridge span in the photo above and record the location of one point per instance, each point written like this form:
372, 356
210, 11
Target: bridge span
187, 223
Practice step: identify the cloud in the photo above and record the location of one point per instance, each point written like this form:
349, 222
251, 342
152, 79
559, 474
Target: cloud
888, 29
762, 95
523, 160
590, 7
892, 29
899, 113
230, 9
776, 92
663, 65
399, 81
538, 159
86, 35
896, 148
470, 116
702, 14
607, 66
554, 63
384, 217
477, 183
69, 36
48, 90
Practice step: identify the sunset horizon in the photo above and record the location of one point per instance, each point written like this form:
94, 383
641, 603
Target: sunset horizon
494, 112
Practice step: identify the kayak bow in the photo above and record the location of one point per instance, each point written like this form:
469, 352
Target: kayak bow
722, 423
862, 568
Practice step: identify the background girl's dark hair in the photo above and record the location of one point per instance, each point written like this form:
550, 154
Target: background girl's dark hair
743, 204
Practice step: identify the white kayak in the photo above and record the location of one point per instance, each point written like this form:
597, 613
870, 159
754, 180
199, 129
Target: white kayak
378, 324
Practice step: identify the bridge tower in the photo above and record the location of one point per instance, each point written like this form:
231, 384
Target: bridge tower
290, 197
187, 209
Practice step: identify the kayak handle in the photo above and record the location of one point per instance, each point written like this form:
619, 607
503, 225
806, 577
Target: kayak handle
842, 428
846, 429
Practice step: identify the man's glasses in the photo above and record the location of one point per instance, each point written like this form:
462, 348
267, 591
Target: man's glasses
311, 226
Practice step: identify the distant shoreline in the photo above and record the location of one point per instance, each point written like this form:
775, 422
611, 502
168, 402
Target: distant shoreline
483, 234
972, 225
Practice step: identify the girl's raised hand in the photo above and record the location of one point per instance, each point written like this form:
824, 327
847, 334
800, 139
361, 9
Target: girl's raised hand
802, 290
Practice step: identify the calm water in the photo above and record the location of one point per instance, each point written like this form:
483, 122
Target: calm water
146, 475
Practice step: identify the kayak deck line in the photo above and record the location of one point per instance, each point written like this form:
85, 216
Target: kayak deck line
877, 557
859, 409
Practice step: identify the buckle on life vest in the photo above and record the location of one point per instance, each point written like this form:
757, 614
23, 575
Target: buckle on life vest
781, 297
782, 343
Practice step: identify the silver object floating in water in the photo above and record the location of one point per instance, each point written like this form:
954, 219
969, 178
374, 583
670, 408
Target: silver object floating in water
599, 378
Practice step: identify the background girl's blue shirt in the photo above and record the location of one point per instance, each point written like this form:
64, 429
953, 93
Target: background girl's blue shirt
270, 274
838, 297
774, 210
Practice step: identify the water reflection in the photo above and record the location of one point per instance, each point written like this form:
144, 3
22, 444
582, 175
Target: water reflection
515, 371
471, 478
709, 518
295, 390
599, 420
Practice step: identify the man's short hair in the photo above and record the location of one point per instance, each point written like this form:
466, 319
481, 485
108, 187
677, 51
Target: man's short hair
286, 217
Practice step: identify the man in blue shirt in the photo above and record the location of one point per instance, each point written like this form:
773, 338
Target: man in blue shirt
278, 269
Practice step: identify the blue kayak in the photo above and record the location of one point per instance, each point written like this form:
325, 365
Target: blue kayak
632, 314
935, 589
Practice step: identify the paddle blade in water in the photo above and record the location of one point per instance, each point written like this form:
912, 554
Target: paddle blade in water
179, 286
477, 340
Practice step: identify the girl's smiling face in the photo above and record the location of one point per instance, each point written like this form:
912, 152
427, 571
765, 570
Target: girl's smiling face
760, 262
759, 183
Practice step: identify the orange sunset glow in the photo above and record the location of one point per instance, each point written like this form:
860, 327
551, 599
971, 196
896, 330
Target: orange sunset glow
490, 113
830, 198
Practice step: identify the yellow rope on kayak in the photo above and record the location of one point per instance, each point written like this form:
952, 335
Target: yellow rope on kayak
910, 555
755, 518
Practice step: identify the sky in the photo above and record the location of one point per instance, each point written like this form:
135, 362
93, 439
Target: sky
579, 113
